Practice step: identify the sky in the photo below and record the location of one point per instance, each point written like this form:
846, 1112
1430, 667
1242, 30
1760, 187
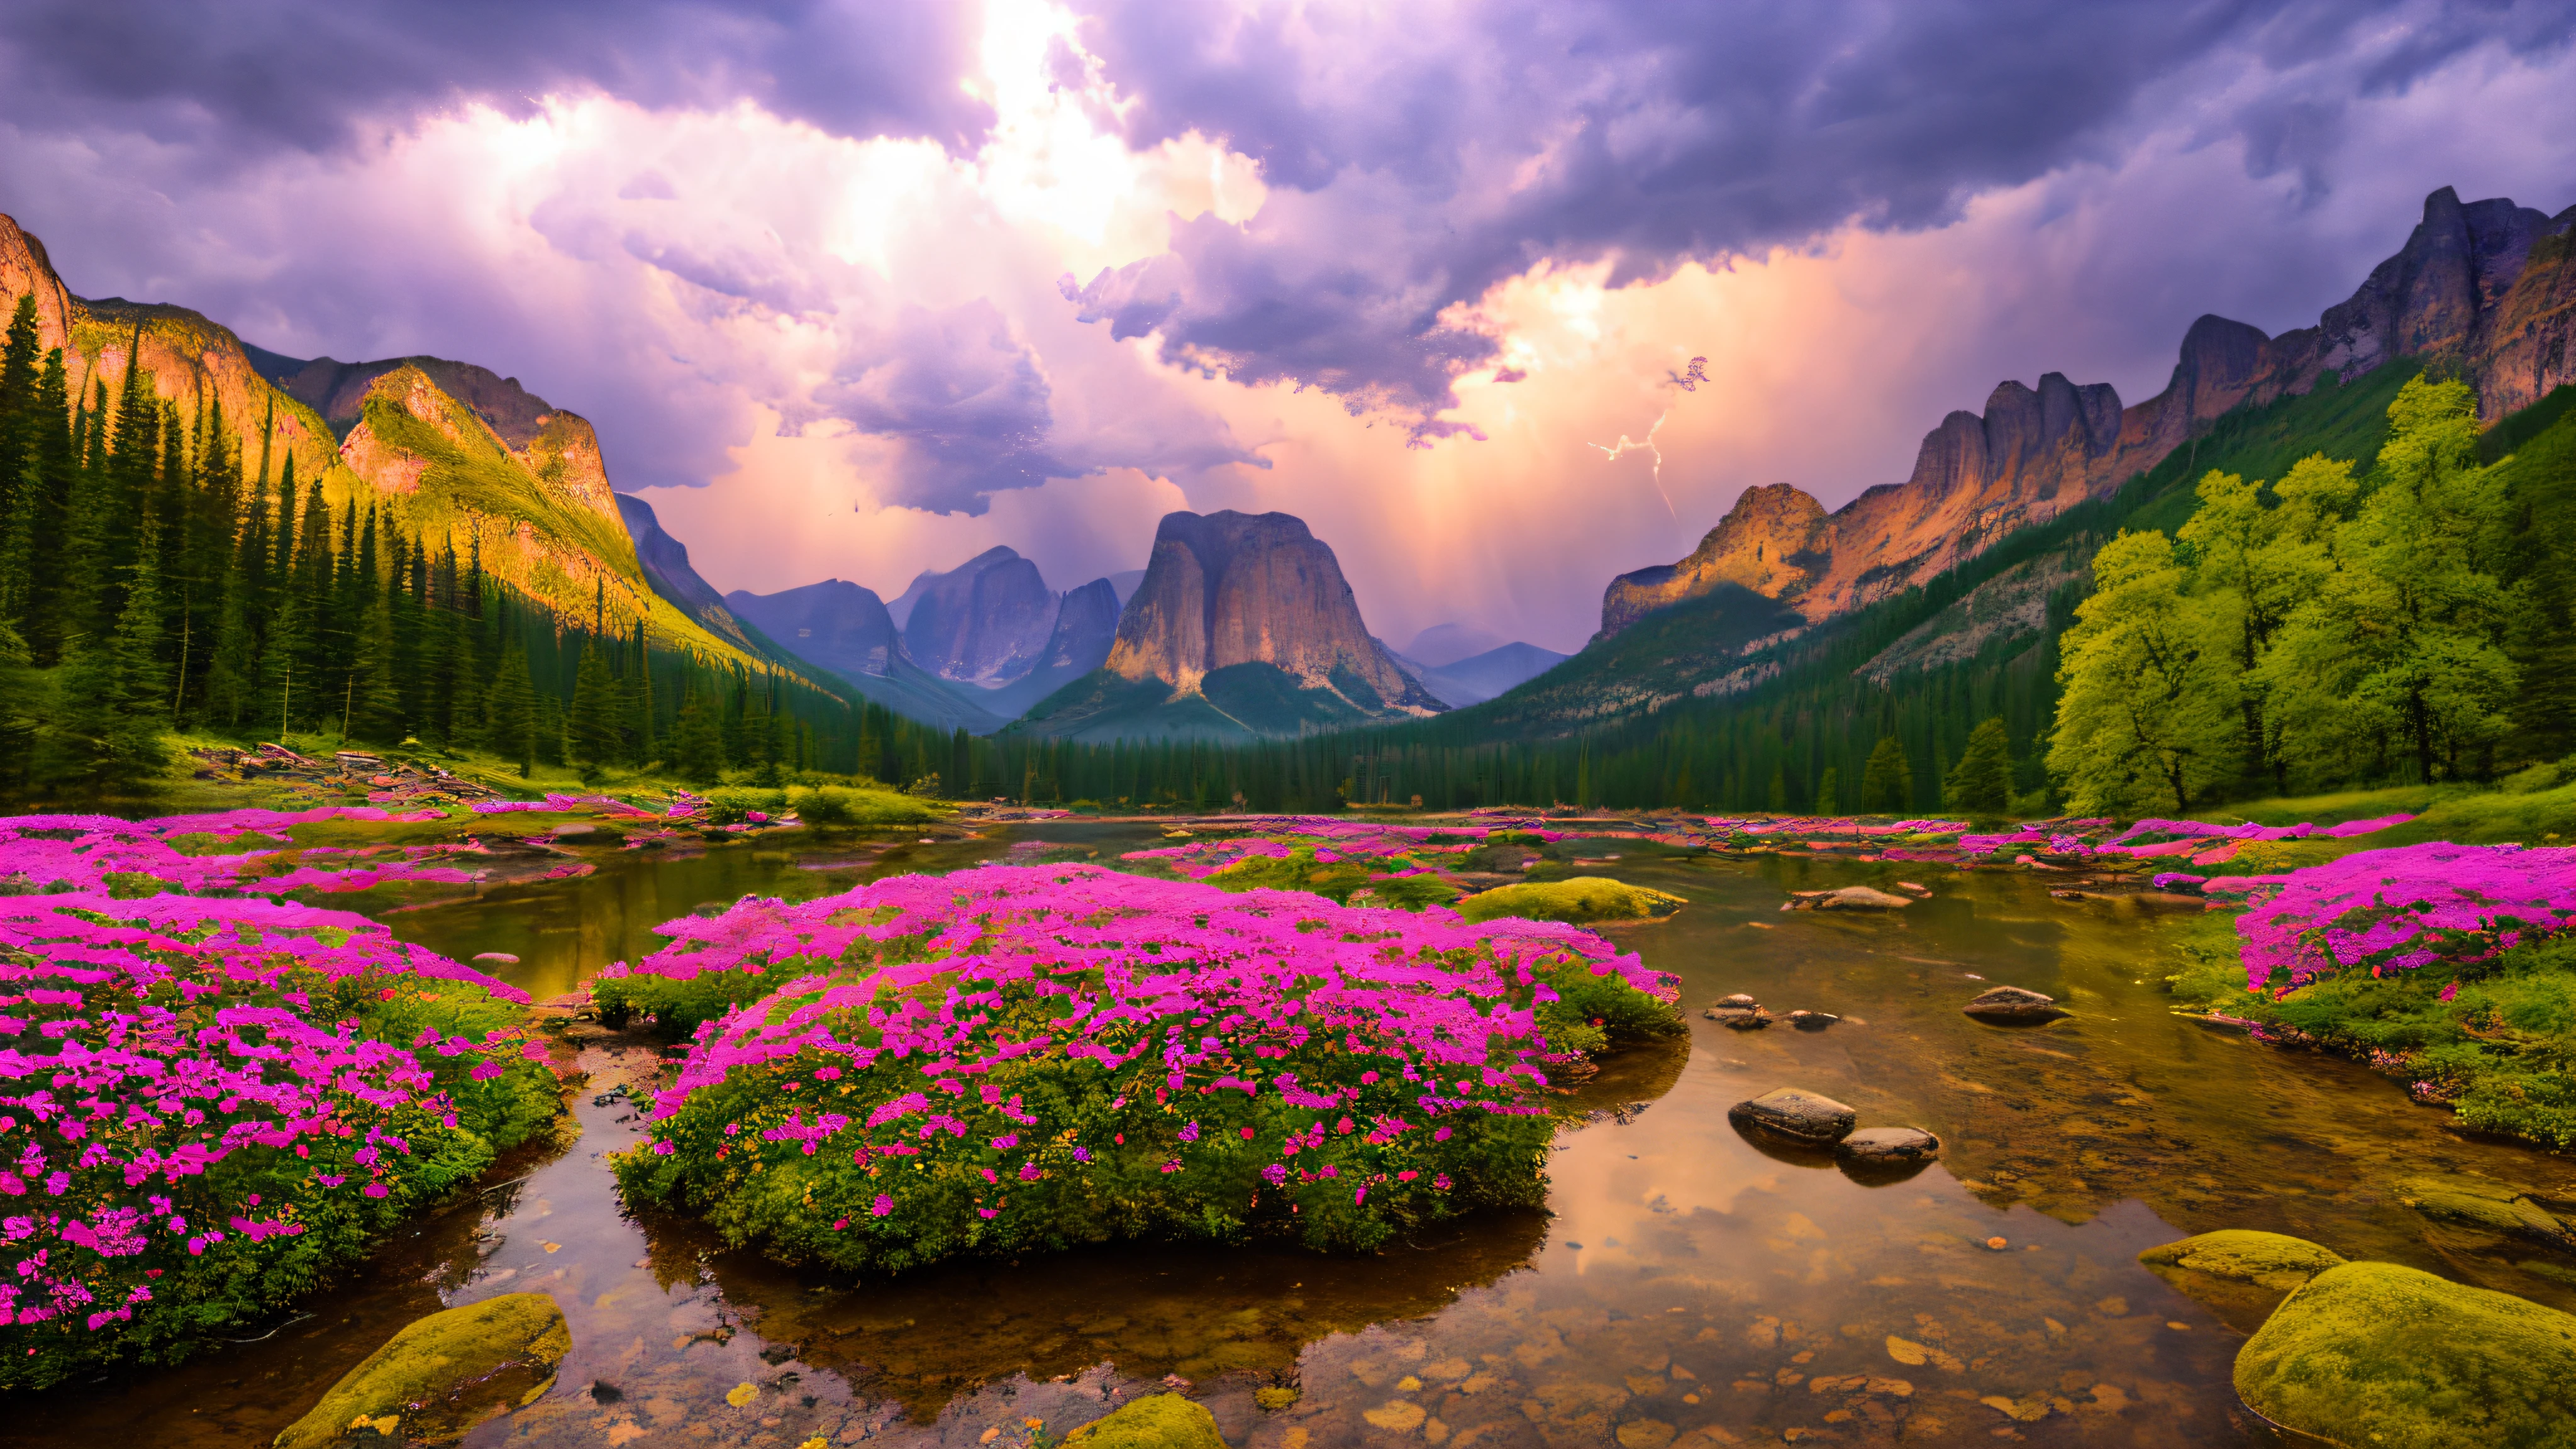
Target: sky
859, 290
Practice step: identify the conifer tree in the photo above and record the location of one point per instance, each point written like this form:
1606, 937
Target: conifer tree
700, 744
1981, 782
1887, 782
1826, 804
592, 731
511, 707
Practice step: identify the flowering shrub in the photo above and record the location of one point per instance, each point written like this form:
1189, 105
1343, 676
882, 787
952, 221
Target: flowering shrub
206, 1104
2404, 909
1025, 1057
51, 853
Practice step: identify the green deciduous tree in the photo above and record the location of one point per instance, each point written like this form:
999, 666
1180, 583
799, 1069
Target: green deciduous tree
2394, 656
2146, 716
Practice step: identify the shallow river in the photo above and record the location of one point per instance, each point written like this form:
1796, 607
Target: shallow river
1684, 1288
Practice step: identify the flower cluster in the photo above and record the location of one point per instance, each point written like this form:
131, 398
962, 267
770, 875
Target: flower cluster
560, 803
132, 857
197, 1094
2403, 909
1018, 1057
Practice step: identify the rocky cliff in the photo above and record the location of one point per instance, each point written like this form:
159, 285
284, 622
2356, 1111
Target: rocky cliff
485, 465
1233, 588
2487, 288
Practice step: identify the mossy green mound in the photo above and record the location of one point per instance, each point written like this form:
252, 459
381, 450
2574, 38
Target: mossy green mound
2483, 1205
2376, 1356
1579, 898
2239, 1274
1163, 1421
443, 1374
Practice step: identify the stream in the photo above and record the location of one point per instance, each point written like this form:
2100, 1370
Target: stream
1685, 1287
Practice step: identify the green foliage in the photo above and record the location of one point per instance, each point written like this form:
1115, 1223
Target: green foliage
1887, 783
1982, 780
2322, 628
2502, 1051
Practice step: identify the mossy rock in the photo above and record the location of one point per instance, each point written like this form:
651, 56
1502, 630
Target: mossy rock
443, 1374
2378, 1356
1161, 1421
1576, 898
2484, 1206
2239, 1274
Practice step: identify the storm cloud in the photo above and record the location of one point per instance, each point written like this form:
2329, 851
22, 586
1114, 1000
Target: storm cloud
859, 289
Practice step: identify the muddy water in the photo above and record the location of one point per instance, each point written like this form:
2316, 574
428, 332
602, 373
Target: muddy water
1686, 1287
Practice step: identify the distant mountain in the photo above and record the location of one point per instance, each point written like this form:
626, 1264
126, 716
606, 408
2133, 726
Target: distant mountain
1243, 626
1442, 645
982, 623
666, 568
845, 629
1125, 582
2487, 288
1481, 677
1086, 626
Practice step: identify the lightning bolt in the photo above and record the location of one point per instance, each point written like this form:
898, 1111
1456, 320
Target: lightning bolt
1688, 380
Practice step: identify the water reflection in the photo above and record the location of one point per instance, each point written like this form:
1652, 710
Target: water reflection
1689, 1287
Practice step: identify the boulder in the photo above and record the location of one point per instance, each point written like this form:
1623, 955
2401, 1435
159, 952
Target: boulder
2484, 1205
1812, 1020
1800, 1117
1888, 1147
2013, 1004
1739, 1018
443, 1374
1159, 1421
1575, 899
2239, 1274
2391, 1357
1738, 1002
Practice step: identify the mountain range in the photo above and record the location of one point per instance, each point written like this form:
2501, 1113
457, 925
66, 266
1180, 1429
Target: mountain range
2484, 286
1242, 626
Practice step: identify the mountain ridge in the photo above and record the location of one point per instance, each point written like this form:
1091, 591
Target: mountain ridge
2487, 286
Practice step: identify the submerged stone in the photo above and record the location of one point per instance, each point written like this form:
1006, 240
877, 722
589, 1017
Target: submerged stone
1159, 1421
2239, 1274
443, 1374
2013, 1004
1889, 1146
2483, 1204
2374, 1354
1801, 1117
1812, 1020
1849, 898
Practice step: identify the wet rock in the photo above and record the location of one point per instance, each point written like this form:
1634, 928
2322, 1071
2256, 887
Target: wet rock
443, 1374
1739, 1011
2484, 1205
1888, 1146
1159, 1421
2239, 1274
2375, 1353
1849, 898
2012, 1004
1800, 1117
1812, 1020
